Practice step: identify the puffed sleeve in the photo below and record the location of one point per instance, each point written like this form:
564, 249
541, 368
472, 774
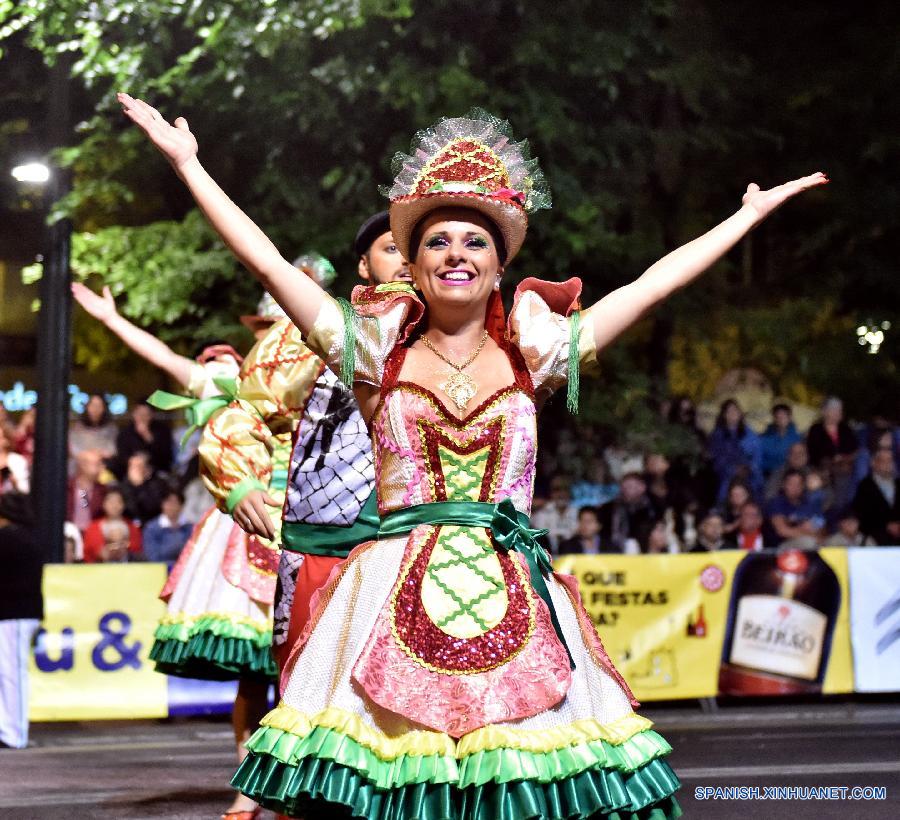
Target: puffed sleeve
355, 338
241, 443
547, 327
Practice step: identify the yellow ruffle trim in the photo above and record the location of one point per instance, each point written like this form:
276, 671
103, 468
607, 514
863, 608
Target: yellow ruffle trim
419, 742
180, 619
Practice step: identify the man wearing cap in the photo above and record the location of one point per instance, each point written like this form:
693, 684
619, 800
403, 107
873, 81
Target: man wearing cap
285, 389
21, 609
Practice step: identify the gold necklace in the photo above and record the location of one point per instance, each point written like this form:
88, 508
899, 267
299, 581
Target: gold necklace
460, 387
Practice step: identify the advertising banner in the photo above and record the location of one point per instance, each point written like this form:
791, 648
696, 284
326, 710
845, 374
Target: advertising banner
701, 624
875, 617
90, 660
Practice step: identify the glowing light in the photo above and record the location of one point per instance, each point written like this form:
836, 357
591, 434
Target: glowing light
34, 172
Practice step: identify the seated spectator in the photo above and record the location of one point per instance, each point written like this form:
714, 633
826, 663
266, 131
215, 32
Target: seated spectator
656, 476
85, 492
597, 487
630, 517
797, 459
792, 518
73, 544
144, 434
833, 446
23, 438
21, 610
749, 533
95, 430
710, 533
15, 473
586, 540
738, 495
661, 539
877, 500
734, 449
778, 438
112, 537
142, 490
558, 515
166, 535
848, 532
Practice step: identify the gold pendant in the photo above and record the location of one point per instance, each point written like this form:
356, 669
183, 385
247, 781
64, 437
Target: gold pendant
460, 388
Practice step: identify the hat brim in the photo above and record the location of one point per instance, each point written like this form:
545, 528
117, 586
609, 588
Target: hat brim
406, 212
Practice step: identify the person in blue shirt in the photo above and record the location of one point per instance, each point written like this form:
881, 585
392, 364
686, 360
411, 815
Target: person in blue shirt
793, 515
778, 438
735, 450
166, 535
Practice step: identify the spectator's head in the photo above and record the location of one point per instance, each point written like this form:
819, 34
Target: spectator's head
113, 503
598, 471
15, 508
880, 439
751, 518
559, 491
27, 419
139, 467
711, 528
380, 260
88, 465
96, 411
683, 411
657, 538
172, 503
832, 410
656, 465
883, 464
632, 488
798, 456
793, 485
738, 495
141, 414
848, 524
588, 522
815, 481
730, 417
782, 415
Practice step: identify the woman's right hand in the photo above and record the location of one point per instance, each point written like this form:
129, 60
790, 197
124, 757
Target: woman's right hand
175, 142
251, 515
101, 308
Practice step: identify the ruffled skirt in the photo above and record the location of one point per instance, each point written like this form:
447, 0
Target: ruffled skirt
213, 629
358, 730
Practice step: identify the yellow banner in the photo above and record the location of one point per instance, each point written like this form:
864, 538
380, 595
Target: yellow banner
91, 661
663, 619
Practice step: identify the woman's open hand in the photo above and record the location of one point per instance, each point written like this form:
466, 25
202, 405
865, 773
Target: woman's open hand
175, 142
764, 202
101, 308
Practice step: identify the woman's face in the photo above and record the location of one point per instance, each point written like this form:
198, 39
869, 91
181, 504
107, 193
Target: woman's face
95, 408
456, 263
113, 505
733, 415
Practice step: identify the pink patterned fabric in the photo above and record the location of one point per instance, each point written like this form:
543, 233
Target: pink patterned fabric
251, 566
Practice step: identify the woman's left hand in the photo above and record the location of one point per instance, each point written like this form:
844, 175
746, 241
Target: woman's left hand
764, 202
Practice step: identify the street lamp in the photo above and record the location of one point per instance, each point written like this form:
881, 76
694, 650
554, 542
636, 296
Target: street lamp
35, 173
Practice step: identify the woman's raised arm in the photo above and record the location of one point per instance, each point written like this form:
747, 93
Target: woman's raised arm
300, 297
617, 311
147, 346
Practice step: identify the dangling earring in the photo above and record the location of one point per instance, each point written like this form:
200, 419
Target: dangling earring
497, 283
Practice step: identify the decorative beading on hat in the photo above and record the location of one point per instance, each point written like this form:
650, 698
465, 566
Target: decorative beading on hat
316, 267
471, 154
269, 310
471, 162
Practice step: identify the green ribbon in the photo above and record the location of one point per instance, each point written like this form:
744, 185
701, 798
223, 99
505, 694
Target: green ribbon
331, 539
574, 383
197, 411
508, 526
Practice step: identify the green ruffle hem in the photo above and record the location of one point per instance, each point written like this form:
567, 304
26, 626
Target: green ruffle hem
327, 774
213, 649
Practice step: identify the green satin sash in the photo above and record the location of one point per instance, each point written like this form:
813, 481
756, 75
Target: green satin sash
197, 410
330, 539
508, 526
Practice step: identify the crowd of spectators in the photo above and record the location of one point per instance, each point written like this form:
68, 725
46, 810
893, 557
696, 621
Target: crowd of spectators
126, 490
733, 488
737, 489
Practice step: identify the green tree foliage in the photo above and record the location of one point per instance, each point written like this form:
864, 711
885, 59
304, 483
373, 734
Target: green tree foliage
649, 118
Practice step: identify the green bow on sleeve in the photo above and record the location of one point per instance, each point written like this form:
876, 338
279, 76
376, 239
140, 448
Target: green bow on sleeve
197, 411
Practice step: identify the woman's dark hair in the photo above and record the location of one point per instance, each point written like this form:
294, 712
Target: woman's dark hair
675, 410
105, 417
720, 419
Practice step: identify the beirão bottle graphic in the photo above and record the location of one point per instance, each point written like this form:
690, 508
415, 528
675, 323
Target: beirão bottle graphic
780, 621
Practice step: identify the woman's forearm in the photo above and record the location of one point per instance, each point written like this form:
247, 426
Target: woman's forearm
151, 349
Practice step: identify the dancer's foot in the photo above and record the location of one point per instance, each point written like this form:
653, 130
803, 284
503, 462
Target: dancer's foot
243, 808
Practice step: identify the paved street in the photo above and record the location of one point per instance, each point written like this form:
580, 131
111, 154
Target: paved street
179, 769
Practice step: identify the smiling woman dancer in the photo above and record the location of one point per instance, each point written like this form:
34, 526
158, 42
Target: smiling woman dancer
446, 672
